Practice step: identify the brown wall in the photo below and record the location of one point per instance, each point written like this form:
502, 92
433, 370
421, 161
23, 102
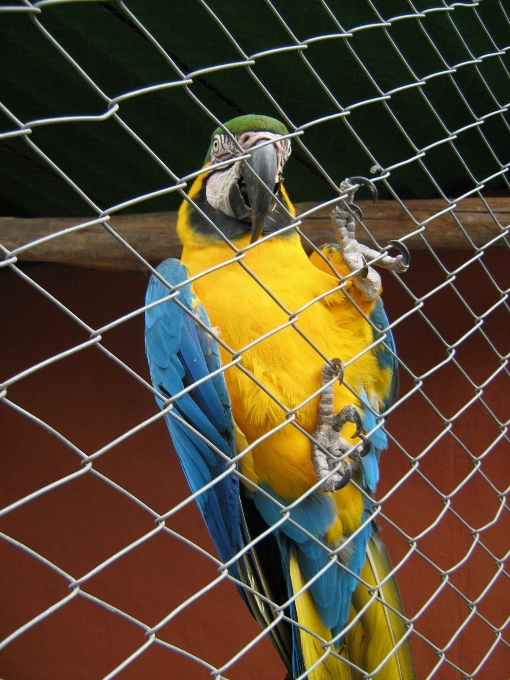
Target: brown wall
91, 401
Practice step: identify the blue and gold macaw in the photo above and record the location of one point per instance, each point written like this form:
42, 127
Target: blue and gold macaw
283, 367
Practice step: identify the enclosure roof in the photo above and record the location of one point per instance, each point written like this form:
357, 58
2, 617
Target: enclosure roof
108, 104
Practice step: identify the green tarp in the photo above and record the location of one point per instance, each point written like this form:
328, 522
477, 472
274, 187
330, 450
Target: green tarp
433, 77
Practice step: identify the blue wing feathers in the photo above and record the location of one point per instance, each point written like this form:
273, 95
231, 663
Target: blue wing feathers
380, 323
175, 351
205, 394
333, 589
198, 474
212, 358
385, 358
378, 440
196, 471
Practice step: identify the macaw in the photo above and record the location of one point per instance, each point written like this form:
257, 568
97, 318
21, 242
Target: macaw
276, 371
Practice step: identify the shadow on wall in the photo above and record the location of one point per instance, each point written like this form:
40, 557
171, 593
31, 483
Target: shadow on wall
91, 401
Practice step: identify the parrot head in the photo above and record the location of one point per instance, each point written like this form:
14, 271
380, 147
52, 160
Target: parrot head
241, 197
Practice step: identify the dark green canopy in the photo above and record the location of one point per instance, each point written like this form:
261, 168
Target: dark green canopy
365, 82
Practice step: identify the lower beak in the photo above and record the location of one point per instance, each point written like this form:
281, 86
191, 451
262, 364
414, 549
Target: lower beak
259, 173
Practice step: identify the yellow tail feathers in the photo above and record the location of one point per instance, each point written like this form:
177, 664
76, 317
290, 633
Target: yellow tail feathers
374, 636
314, 647
382, 628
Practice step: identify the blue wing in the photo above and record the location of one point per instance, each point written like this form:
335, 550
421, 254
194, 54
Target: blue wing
386, 350
180, 352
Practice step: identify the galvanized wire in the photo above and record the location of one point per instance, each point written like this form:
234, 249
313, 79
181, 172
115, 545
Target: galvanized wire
452, 136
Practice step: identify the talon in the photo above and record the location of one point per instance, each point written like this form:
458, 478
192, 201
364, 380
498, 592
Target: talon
349, 414
329, 448
364, 272
334, 368
365, 280
355, 209
338, 364
366, 183
404, 251
346, 478
366, 444
359, 425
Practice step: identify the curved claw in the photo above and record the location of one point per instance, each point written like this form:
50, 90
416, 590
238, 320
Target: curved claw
339, 366
366, 445
359, 426
366, 441
346, 476
340, 419
364, 272
355, 209
404, 251
366, 183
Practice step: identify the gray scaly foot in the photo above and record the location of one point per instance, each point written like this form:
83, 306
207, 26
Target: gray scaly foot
327, 435
356, 255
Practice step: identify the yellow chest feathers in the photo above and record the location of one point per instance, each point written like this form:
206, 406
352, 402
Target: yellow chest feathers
296, 301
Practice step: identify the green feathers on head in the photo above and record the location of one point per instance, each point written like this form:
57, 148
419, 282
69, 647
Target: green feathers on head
251, 123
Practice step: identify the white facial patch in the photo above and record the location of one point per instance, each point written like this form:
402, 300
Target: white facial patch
218, 188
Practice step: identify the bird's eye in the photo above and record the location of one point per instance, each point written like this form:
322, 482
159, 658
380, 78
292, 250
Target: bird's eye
216, 145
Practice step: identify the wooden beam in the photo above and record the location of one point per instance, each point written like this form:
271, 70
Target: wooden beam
154, 237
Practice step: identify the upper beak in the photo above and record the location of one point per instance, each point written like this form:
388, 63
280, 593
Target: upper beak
259, 174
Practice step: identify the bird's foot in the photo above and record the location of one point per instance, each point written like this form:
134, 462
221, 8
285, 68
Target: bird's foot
334, 467
398, 264
356, 255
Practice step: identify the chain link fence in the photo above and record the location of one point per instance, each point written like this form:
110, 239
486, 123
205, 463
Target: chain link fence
107, 109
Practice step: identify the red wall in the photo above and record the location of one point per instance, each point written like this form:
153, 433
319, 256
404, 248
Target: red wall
91, 401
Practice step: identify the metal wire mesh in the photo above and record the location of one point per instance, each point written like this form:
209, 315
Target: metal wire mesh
442, 503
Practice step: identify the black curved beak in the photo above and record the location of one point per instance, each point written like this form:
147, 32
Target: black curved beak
259, 173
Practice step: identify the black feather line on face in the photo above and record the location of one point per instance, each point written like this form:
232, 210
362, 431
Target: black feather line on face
229, 226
